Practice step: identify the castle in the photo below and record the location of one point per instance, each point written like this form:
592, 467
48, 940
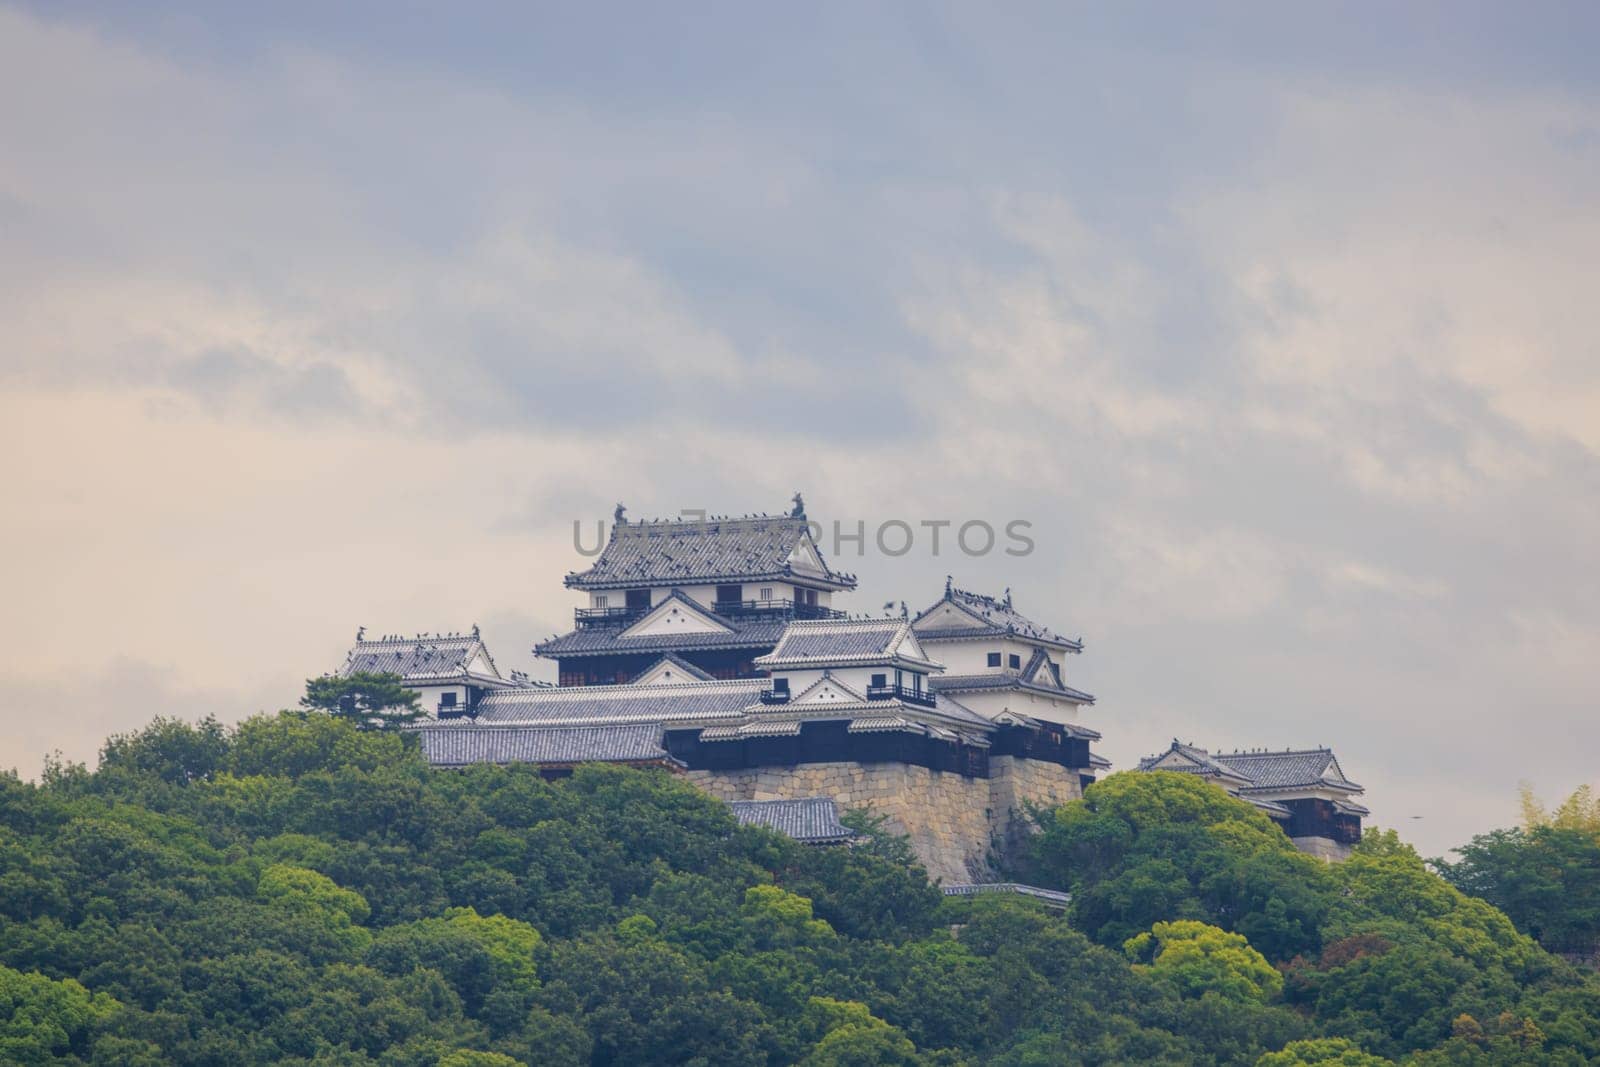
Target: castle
714, 648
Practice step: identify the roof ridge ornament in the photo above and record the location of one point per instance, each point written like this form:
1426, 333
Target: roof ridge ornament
799, 511
620, 515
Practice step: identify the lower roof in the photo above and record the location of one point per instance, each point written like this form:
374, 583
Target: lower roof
459, 743
606, 641
972, 683
616, 705
813, 820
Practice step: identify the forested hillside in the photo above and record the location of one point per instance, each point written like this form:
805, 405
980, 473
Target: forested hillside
297, 890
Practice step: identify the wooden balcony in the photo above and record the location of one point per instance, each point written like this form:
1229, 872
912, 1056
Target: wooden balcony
920, 697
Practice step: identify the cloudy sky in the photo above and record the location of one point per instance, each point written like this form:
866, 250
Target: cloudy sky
1279, 327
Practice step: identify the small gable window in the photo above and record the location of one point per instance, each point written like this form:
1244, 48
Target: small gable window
1014, 661
994, 659
780, 685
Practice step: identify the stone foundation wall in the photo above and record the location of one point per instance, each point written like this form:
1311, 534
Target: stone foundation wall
1014, 783
1323, 848
955, 824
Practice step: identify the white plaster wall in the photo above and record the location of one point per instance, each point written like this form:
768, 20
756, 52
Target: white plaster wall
972, 656
993, 704
428, 696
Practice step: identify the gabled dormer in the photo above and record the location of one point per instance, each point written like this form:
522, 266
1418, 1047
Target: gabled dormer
450, 672
676, 614
878, 659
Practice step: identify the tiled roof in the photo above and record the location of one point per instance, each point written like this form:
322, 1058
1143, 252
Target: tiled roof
424, 657
679, 553
463, 743
813, 820
1288, 770
837, 642
1258, 776
595, 705
968, 683
1052, 897
688, 670
1199, 761
995, 617
603, 641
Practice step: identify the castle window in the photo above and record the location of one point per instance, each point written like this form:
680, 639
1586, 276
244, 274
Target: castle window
879, 681
447, 700
994, 659
1014, 661
780, 685
601, 600
766, 592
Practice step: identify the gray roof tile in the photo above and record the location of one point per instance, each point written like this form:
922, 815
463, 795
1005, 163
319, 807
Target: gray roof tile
679, 553
836, 642
463, 743
813, 820
1200, 762
1258, 772
967, 683
594, 705
1290, 769
424, 657
998, 617
604, 641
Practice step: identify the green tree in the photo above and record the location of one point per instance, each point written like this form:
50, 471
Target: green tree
370, 700
1200, 959
848, 1035
42, 1021
1322, 1052
168, 749
1547, 880
1141, 848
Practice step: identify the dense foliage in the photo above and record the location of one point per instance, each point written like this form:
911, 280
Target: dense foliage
1547, 880
297, 890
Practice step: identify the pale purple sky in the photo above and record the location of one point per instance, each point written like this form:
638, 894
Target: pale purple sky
1279, 327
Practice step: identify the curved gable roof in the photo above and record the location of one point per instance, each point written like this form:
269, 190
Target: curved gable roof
985, 616
754, 548
423, 658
